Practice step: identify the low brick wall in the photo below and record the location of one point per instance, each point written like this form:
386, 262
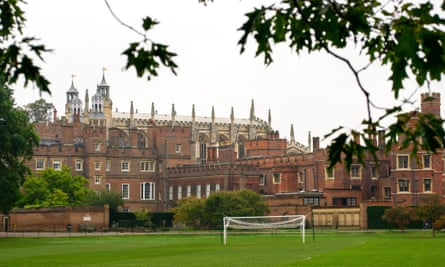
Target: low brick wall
80, 218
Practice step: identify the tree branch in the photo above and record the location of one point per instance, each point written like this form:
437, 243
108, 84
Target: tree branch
124, 24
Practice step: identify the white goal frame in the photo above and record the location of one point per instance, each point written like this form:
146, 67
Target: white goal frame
286, 220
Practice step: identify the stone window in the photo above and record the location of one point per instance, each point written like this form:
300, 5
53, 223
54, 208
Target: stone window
125, 166
125, 191
402, 161
403, 185
40, 164
277, 178
147, 191
78, 165
427, 161
57, 164
427, 185
356, 171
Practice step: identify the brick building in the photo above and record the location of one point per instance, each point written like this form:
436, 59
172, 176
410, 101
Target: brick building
155, 159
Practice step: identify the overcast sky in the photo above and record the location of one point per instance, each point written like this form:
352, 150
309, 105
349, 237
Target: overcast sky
314, 92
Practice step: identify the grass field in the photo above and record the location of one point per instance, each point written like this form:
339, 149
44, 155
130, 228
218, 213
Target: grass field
328, 249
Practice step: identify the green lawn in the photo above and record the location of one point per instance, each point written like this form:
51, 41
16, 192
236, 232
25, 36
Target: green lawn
329, 249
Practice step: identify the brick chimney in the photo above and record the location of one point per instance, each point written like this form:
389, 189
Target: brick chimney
430, 104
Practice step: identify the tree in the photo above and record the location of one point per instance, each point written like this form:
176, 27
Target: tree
400, 215
17, 139
16, 51
189, 211
234, 203
431, 210
54, 188
113, 199
38, 111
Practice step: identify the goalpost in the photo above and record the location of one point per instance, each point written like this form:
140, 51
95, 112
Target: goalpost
265, 222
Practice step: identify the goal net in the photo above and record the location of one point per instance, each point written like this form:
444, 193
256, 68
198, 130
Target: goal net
265, 222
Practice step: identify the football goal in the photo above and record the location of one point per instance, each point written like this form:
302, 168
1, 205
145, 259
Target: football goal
264, 222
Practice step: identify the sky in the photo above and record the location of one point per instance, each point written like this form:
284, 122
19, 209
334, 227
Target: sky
316, 93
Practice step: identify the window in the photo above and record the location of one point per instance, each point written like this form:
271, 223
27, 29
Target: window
262, 179
356, 171
427, 185
179, 192
40, 164
97, 147
78, 165
141, 141
178, 148
329, 173
108, 165
57, 164
97, 179
125, 191
387, 192
198, 191
314, 201
207, 190
170, 193
344, 201
427, 161
108, 187
146, 166
97, 165
402, 162
277, 178
189, 190
147, 191
374, 172
125, 166
217, 188
403, 185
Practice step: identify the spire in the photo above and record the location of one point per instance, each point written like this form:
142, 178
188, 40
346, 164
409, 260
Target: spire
309, 141
292, 135
131, 115
87, 101
213, 114
173, 115
232, 116
152, 111
103, 82
270, 119
193, 114
252, 111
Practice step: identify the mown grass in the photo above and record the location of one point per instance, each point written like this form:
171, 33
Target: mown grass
328, 249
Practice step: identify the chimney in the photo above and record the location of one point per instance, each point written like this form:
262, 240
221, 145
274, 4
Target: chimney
315, 143
430, 104
55, 115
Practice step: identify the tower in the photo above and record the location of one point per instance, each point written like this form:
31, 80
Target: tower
73, 105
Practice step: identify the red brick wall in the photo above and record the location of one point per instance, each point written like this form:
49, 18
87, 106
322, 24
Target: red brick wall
57, 218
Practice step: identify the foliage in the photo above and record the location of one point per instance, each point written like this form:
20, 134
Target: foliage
146, 56
407, 36
17, 51
233, 203
17, 138
142, 215
38, 110
400, 215
432, 210
113, 199
54, 188
189, 211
